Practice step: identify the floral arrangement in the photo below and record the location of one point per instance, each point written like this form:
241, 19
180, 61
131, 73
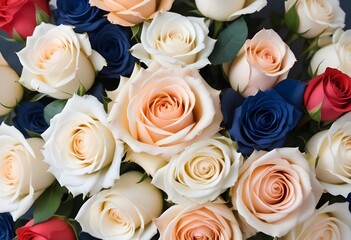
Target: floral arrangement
175, 119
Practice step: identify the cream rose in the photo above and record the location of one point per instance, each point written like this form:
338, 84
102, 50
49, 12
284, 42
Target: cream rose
201, 172
329, 222
11, 91
172, 39
23, 174
330, 152
262, 62
336, 55
57, 61
129, 13
317, 17
160, 111
276, 190
80, 148
228, 10
124, 211
207, 221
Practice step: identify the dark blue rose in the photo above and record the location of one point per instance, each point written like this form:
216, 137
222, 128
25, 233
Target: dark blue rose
349, 200
113, 43
30, 116
263, 121
230, 100
86, 236
80, 14
6, 226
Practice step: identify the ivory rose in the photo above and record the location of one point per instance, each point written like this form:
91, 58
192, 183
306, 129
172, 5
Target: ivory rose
228, 10
129, 13
317, 17
11, 91
330, 155
160, 111
206, 221
124, 211
201, 172
80, 148
57, 61
173, 39
328, 222
262, 62
276, 190
23, 175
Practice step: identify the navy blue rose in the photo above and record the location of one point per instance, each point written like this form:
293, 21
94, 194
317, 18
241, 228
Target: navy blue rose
80, 14
30, 117
6, 226
113, 43
263, 121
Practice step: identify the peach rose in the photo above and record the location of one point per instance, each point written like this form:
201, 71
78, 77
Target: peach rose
128, 13
160, 110
276, 190
262, 62
207, 221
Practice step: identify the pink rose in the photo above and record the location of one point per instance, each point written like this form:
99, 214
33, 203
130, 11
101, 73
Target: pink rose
262, 62
276, 190
129, 13
207, 221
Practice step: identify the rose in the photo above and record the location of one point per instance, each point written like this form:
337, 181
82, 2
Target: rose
6, 226
120, 212
223, 10
160, 111
329, 150
130, 13
12, 12
79, 14
317, 17
262, 62
57, 61
56, 228
206, 221
11, 91
328, 222
80, 148
201, 172
328, 95
23, 175
174, 39
335, 55
263, 121
276, 190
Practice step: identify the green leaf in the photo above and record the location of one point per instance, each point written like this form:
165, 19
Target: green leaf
76, 227
315, 113
135, 30
37, 97
229, 42
291, 19
53, 108
47, 203
106, 101
145, 176
261, 236
81, 90
41, 16
17, 37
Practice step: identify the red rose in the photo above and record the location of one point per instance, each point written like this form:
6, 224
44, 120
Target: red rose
54, 229
328, 95
20, 15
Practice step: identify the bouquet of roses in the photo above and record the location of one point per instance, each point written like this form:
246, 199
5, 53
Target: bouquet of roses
175, 119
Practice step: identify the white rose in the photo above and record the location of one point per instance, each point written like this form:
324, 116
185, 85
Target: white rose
57, 61
11, 91
201, 172
123, 212
330, 151
330, 222
23, 175
228, 10
336, 55
317, 17
80, 148
173, 39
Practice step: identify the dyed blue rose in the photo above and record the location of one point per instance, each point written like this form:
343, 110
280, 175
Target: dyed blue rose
349, 200
86, 236
80, 14
30, 117
6, 226
263, 121
113, 43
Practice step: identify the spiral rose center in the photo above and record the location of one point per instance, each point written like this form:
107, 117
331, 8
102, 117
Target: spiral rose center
82, 142
9, 170
321, 10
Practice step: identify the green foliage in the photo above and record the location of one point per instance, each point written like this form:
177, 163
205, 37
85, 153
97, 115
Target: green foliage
41, 16
261, 236
53, 108
292, 19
